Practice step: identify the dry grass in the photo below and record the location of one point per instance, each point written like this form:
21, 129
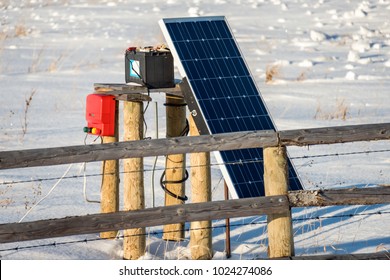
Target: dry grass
36, 61
302, 76
21, 30
340, 112
272, 72
54, 64
26, 108
5, 201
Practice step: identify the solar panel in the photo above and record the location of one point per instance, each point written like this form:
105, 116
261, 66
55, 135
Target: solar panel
222, 96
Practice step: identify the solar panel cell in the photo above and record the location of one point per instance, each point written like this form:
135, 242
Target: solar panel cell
223, 91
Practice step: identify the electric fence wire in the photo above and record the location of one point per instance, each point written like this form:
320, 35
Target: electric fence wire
211, 165
50, 191
160, 232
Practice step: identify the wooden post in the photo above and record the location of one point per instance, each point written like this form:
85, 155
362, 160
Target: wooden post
280, 232
134, 198
175, 164
201, 234
109, 201
227, 223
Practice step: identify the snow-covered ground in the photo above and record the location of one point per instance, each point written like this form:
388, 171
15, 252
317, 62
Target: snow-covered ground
330, 65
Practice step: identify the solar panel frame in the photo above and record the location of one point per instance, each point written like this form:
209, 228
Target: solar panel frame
222, 54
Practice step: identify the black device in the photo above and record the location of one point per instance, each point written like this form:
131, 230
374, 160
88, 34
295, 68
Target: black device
150, 67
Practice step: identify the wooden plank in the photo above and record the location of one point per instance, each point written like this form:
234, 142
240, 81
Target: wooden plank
134, 97
333, 135
142, 218
350, 196
203, 143
131, 149
135, 88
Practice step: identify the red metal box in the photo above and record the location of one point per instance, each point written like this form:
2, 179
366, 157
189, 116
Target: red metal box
100, 114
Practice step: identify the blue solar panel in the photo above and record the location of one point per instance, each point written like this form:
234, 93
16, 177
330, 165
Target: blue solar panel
223, 96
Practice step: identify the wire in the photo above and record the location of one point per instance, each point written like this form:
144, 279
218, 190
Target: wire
85, 177
163, 168
51, 190
341, 154
211, 165
156, 158
85, 184
163, 184
55, 244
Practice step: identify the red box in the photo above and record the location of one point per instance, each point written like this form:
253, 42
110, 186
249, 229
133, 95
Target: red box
100, 114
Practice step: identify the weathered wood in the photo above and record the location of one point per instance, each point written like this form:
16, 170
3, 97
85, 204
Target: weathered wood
109, 192
280, 230
142, 218
134, 241
333, 135
201, 231
350, 196
175, 170
122, 93
131, 97
366, 256
228, 248
131, 149
203, 143
135, 88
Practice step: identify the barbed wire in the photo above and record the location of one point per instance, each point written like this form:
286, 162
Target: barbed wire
86, 240
342, 154
211, 165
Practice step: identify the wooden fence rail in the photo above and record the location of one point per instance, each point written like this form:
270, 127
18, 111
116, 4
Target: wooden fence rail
193, 144
190, 212
276, 205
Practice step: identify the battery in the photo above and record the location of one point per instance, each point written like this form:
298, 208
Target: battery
150, 67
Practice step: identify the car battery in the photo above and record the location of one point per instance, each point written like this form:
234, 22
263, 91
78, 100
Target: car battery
150, 67
100, 114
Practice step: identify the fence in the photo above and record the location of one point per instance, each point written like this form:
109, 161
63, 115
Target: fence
276, 206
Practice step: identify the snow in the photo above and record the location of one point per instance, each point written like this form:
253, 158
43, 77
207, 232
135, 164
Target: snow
333, 68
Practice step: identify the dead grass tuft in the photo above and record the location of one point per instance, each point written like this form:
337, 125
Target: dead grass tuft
340, 112
26, 108
21, 30
302, 76
272, 72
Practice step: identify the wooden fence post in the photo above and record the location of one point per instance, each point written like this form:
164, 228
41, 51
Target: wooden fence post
134, 242
175, 164
109, 201
201, 234
280, 232
228, 248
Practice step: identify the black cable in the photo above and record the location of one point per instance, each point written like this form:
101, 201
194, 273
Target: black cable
175, 105
164, 182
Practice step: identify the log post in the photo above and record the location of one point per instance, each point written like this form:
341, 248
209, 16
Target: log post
110, 182
228, 248
280, 232
175, 164
201, 234
134, 197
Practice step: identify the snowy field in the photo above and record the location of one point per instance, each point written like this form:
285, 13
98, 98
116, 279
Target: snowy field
317, 63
